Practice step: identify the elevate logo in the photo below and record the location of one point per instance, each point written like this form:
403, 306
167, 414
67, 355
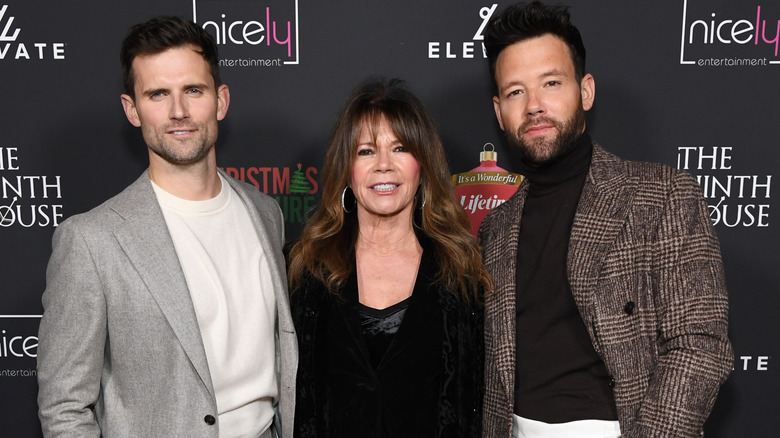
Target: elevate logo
465, 49
11, 48
251, 33
741, 36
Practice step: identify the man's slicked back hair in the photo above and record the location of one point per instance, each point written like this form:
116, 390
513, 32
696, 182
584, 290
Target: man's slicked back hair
160, 34
523, 21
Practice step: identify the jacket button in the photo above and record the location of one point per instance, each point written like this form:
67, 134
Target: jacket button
611, 382
629, 307
210, 420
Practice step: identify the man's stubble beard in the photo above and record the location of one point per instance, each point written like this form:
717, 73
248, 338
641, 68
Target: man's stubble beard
166, 150
543, 152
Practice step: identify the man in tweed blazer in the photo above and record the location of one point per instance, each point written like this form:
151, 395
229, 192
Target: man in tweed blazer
166, 310
609, 313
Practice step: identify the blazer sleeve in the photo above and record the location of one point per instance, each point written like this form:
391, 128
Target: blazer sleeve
72, 338
689, 291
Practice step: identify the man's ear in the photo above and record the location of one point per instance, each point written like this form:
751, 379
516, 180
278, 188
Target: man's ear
130, 111
497, 109
223, 101
588, 91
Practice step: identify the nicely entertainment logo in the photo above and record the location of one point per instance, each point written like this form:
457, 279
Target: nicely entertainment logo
18, 345
251, 33
742, 35
12, 47
464, 49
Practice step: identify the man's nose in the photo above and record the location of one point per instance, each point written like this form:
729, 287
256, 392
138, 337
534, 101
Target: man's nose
534, 104
178, 107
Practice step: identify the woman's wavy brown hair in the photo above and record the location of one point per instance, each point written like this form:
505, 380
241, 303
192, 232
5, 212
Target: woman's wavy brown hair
326, 249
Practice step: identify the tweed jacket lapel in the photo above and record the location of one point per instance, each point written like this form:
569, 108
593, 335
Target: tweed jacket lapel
601, 213
500, 258
148, 244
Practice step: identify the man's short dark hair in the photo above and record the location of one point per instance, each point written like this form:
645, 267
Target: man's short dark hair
523, 21
160, 34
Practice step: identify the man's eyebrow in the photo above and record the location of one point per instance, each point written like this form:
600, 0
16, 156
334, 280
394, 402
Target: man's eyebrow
154, 91
544, 74
201, 86
552, 72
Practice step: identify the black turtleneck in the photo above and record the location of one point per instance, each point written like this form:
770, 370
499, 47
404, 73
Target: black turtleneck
558, 375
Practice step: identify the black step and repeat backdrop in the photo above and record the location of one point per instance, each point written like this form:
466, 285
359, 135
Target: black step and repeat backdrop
694, 84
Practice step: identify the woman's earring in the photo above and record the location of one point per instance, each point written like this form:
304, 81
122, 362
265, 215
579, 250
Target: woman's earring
422, 196
343, 204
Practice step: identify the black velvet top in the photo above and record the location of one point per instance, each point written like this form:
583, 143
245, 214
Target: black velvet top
428, 382
379, 327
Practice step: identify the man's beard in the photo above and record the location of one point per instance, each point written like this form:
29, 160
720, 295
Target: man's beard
541, 151
174, 153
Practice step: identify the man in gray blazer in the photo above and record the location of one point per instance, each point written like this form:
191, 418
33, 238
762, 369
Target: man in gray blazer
609, 313
166, 310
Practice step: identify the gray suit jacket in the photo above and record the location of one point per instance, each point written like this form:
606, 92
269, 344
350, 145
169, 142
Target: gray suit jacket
120, 352
645, 271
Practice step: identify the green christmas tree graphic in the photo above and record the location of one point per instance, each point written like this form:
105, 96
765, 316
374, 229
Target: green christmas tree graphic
299, 185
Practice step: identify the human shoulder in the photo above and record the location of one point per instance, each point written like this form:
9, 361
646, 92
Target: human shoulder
262, 201
606, 164
112, 212
503, 216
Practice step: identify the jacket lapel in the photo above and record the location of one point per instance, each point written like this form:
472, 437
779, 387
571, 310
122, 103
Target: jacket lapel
148, 244
601, 213
266, 242
500, 306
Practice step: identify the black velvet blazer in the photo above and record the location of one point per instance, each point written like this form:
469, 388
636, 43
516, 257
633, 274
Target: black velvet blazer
428, 384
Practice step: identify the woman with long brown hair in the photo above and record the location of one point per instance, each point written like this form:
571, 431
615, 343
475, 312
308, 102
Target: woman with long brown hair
387, 282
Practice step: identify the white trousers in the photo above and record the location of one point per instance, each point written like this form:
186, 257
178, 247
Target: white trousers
525, 428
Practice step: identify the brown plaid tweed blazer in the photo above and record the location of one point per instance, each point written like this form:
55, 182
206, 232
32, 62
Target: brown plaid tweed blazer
645, 270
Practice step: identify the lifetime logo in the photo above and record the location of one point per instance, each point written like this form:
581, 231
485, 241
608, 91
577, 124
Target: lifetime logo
730, 32
11, 49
